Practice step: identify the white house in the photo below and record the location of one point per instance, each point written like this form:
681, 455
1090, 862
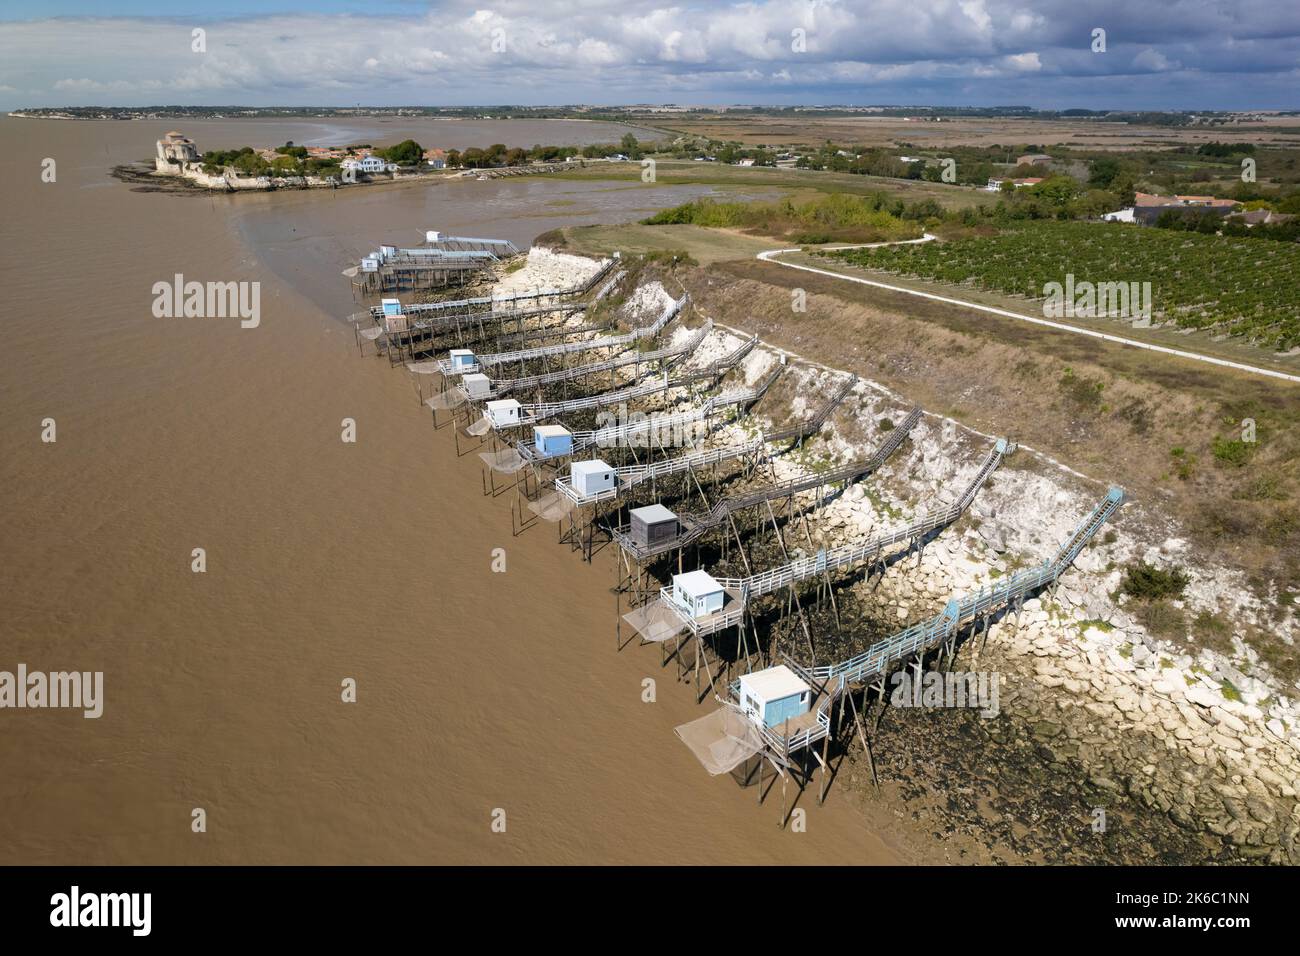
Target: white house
591, 478
698, 593
1120, 215
369, 164
503, 413
477, 385
774, 695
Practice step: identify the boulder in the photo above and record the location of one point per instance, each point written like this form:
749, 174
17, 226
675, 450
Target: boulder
1202, 696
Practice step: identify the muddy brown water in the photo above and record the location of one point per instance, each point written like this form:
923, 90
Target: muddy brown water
325, 561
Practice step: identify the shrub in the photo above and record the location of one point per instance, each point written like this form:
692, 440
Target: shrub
670, 257
1149, 583
1081, 391
1234, 452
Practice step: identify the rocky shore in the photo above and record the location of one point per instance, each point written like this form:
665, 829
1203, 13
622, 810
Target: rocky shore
1107, 710
1188, 754
1196, 753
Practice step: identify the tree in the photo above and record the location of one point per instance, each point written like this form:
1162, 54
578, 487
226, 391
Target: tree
1055, 190
1126, 190
1103, 172
1093, 204
406, 153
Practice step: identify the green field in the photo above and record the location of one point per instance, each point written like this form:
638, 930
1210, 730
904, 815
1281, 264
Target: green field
1238, 287
831, 218
803, 183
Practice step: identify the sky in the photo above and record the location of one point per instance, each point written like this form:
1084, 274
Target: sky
1158, 54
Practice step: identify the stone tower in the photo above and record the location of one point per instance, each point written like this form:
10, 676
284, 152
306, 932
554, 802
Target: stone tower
174, 151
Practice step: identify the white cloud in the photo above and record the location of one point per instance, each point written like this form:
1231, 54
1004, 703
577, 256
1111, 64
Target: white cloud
1153, 61
610, 51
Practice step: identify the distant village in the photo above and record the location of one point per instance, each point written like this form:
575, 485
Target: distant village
291, 166
1036, 184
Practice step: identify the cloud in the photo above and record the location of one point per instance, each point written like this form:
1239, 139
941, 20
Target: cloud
1153, 61
606, 51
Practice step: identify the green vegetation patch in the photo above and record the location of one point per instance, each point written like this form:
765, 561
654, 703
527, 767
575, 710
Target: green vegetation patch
1147, 582
833, 218
1228, 285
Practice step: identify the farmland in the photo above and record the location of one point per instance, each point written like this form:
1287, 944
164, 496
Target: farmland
833, 218
1237, 287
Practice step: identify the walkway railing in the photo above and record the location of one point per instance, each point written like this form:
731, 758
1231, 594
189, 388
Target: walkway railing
880, 657
744, 589
565, 348
695, 526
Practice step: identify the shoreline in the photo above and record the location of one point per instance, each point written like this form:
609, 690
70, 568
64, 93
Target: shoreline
1084, 717
1081, 660
141, 177
838, 815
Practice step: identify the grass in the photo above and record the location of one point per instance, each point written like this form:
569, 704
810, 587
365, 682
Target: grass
705, 246
1081, 391
687, 172
1213, 631
832, 218
1163, 620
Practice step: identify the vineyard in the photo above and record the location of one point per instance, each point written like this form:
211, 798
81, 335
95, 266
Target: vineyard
1219, 284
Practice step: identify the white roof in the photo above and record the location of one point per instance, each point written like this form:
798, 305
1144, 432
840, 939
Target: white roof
503, 404
697, 583
652, 514
587, 467
458, 351
475, 377
773, 683
549, 431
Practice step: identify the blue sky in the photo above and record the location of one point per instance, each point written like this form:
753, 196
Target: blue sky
1160, 54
